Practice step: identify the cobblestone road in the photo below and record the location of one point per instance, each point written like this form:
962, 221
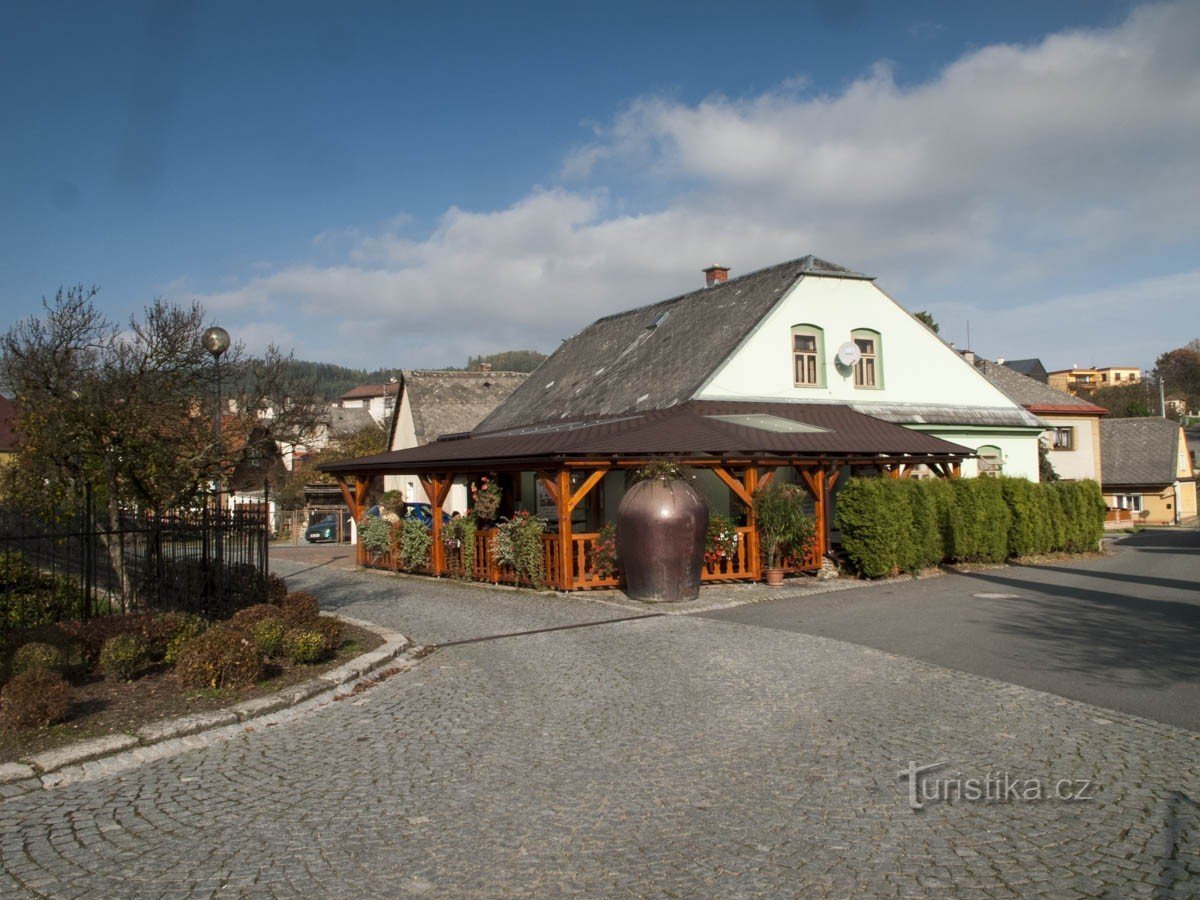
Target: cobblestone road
669, 756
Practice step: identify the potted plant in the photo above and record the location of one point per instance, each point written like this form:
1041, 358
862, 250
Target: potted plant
485, 498
661, 526
783, 525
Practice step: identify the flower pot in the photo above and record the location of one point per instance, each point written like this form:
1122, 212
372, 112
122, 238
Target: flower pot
774, 576
661, 528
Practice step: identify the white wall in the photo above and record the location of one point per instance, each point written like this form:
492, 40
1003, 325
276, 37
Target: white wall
916, 366
1081, 462
1019, 453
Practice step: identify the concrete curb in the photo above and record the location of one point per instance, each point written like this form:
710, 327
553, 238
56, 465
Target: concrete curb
113, 753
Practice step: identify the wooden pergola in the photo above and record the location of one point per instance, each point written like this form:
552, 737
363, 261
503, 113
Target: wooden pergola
570, 482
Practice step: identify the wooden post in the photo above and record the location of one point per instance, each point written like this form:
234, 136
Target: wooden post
753, 548
566, 576
437, 488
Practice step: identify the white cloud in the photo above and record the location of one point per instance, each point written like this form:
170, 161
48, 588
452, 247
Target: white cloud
1017, 173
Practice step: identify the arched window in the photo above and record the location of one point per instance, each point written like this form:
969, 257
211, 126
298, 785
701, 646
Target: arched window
808, 356
991, 461
868, 371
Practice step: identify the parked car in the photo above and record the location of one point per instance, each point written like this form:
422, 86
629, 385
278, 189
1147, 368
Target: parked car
421, 512
327, 529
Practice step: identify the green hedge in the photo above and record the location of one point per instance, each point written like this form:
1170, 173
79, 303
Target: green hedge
902, 525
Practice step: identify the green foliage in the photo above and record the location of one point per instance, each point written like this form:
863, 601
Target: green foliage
305, 646
414, 544
659, 470
720, 540
247, 618
268, 635
894, 525
927, 319
123, 656
1046, 473
36, 657
30, 597
876, 534
458, 536
375, 533
783, 525
300, 608
518, 545
1126, 401
190, 627
392, 501
485, 497
508, 361
34, 699
221, 657
331, 630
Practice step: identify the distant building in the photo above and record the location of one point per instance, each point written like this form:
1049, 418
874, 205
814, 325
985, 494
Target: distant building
1073, 435
378, 399
1147, 471
1083, 382
1030, 368
433, 404
8, 434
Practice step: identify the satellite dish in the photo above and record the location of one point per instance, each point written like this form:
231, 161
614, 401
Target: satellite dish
848, 354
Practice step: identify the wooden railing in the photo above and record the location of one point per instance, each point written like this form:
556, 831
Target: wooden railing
736, 567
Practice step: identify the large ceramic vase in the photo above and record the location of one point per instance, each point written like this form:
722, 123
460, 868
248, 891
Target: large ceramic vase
661, 527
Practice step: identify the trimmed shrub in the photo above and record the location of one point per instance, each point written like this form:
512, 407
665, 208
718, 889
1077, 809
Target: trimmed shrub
35, 699
304, 646
300, 608
124, 656
221, 657
276, 589
247, 618
330, 629
157, 629
268, 635
891, 525
875, 526
36, 657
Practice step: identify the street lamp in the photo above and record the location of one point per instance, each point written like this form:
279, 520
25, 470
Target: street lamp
216, 342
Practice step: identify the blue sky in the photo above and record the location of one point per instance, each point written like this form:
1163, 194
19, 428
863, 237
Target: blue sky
403, 185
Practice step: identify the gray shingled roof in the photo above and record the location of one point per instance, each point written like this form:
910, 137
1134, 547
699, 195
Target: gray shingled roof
938, 414
347, 420
1142, 451
1030, 392
1031, 368
653, 356
454, 402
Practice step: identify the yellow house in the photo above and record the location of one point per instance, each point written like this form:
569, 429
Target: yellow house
1146, 472
1083, 382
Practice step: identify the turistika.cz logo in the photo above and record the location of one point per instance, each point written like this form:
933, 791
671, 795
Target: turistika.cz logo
994, 787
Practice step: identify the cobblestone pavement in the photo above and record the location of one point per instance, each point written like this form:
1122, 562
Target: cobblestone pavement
669, 756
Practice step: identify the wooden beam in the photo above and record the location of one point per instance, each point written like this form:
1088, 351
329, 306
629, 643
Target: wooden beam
739, 489
550, 483
584, 489
765, 478
810, 482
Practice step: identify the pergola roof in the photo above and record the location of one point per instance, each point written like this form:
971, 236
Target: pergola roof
698, 429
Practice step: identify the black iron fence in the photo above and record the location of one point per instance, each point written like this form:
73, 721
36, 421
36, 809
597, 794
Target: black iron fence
210, 560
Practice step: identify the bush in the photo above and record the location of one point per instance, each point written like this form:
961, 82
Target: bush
375, 533
331, 630
36, 657
190, 627
518, 545
276, 589
414, 544
268, 635
157, 629
247, 618
890, 525
30, 597
221, 657
304, 646
783, 525
35, 699
124, 656
300, 608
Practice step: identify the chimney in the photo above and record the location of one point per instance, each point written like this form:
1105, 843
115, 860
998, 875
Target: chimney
969, 356
485, 367
715, 274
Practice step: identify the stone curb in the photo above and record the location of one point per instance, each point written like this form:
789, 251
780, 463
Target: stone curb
117, 752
